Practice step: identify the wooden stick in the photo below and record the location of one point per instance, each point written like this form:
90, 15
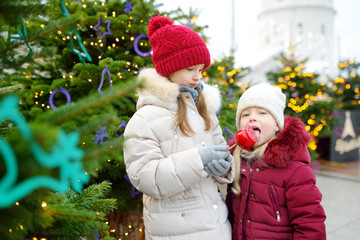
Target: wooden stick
232, 147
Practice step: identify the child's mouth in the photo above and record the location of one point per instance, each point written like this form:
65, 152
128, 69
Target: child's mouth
257, 131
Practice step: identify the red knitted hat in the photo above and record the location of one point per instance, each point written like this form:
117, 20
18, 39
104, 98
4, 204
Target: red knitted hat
175, 47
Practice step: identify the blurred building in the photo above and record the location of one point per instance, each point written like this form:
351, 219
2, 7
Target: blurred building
306, 27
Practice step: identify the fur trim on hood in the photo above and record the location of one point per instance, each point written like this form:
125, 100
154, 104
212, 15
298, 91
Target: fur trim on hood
289, 145
155, 85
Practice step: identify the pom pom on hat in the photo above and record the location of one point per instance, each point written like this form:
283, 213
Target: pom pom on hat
156, 23
175, 47
266, 96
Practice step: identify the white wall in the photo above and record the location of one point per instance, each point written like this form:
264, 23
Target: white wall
306, 25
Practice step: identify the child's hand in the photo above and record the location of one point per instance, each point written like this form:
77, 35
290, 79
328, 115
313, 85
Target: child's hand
210, 153
218, 167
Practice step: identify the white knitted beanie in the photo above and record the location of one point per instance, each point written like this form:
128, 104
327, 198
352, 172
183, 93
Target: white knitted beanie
265, 96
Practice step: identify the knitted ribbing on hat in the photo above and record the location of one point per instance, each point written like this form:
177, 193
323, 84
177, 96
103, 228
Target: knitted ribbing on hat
175, 47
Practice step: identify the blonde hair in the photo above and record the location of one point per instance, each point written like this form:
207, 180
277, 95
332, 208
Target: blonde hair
181, 120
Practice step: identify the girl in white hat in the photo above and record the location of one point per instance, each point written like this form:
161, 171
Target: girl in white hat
274, 195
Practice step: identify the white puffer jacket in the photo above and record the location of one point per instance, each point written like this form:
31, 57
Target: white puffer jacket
181, 201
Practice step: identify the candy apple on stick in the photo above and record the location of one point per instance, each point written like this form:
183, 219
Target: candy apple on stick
245, 138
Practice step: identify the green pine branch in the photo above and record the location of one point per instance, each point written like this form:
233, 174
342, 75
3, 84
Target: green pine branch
33, 36
80, 214
69, 112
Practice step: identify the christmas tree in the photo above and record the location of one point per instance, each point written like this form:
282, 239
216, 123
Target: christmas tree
227, 78
73, 67
306, 98
346, 86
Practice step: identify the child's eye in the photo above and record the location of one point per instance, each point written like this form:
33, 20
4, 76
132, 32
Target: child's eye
190, 68
263, 113
244, 114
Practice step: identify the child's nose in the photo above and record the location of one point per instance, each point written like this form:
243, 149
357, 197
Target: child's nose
197, 75
252, 117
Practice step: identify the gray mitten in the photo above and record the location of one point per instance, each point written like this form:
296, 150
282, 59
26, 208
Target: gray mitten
229, 158
218, 167
210, 153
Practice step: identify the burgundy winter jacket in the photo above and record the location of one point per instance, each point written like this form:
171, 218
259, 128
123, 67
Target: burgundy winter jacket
279, 201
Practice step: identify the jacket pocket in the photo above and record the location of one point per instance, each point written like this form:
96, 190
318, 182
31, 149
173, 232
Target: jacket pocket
274, 201
180, 204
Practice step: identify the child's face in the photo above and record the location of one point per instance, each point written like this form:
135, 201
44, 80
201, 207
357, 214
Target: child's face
261, 121
188, 77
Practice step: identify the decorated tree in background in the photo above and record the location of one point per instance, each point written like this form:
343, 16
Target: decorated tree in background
73, 65
223, 74
346, 86
306, 98
38, 159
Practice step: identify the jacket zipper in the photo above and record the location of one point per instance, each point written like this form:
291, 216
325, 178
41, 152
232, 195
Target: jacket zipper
275, 202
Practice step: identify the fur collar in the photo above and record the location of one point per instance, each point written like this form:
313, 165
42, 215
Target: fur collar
289, 146
158, 90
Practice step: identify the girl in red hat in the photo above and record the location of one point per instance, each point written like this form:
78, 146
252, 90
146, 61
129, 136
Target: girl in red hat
174, 149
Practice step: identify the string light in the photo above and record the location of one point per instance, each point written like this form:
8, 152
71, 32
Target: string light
127, 233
